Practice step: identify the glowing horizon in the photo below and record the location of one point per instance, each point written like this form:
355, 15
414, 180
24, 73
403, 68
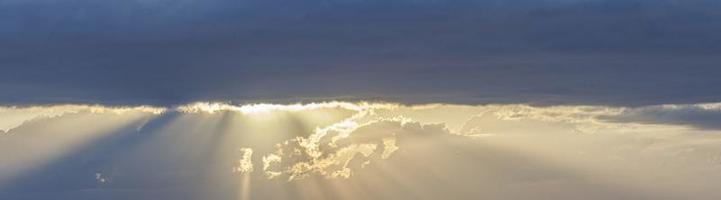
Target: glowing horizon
342, 143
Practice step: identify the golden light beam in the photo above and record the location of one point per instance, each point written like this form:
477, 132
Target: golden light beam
46, 139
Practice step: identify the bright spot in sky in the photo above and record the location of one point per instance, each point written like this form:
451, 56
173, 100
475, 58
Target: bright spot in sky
245, 164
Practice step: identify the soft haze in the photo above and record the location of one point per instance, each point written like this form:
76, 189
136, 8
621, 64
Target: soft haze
345, 150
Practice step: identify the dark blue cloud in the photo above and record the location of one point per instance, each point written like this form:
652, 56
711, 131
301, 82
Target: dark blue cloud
622, 52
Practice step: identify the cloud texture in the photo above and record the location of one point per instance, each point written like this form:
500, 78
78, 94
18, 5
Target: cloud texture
160, 52
344, 150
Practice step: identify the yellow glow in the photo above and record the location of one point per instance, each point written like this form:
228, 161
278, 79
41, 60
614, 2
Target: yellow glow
245, 163
60, 136
12, 117
209, 107
343, 150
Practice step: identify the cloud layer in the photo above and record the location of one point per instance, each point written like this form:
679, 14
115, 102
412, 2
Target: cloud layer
609, 52
344, 150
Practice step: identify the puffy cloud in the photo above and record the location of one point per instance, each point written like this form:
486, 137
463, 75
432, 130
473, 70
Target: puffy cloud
329, 152
245, 164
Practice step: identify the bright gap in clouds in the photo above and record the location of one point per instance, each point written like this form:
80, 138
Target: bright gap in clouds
347, 150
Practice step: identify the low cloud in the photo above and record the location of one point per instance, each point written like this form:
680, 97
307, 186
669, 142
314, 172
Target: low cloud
245, 163
704, 116
345, 150
329, 152
13, 117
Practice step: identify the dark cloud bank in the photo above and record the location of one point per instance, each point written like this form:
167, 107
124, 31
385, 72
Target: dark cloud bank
619, 52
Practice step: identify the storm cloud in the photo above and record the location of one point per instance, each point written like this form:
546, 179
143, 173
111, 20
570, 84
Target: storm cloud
607, 52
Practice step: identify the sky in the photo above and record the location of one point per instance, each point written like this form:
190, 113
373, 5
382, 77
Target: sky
172, 52
347, 150
360, 99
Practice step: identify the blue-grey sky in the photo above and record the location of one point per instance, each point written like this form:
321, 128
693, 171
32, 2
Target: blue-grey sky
167, 52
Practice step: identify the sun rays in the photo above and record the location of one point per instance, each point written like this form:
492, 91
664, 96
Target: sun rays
54, 133
343, 150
